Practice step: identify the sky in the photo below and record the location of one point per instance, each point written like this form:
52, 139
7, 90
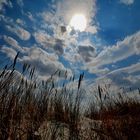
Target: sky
107, 50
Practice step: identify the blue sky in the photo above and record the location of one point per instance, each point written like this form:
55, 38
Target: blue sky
108, 50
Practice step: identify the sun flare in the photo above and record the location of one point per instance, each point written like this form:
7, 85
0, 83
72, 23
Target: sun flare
78, 22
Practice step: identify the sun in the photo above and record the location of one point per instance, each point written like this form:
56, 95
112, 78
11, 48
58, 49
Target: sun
78, 22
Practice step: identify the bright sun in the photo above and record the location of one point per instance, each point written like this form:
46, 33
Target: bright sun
78, 22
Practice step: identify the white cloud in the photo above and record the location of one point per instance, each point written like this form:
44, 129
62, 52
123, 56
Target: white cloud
20, 3
122, 50
30, 16
42, 38
45, 63
65, 9
5, 2
48, 42
99, 72
6, 19
127, 2
20, 32
92, 29
123, 77
20, 22
130, 69
11, 41
10, 52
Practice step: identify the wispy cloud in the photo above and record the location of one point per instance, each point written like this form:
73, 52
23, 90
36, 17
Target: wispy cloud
122, 50
10, 52
127, 2
50, 43
126, 76
130, 69
45, 63
20, 22
67, 8
12, 42
19, 31
5, 2
20, 3
87, 52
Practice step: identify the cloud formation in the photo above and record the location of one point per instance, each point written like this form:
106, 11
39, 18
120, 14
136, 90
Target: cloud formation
5, 2
122, 50
48, 42
86, 52
19, 31
10, 52
12, 42
123, 77
20, 3
66, 9
45, 63
127, 2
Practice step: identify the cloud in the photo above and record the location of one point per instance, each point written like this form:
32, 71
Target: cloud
87, 52
5, 2
127, 2
12, 42
20, 22
6, 19
48, 42
10, 52
20, 3
48, 16
58, 46
122, 50
130, 69
99, 72
30, 16
45, 63
92, 29
63, 29
67, 8
127, 76
19, 31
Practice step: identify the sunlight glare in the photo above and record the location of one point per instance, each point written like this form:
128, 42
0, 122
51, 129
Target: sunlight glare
78, 22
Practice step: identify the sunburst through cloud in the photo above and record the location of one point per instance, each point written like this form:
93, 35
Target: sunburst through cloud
69, 69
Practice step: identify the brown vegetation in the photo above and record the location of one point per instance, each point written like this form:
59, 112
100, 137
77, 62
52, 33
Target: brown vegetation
34, 111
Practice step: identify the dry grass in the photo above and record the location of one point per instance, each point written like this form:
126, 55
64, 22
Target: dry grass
38, 111
120, 117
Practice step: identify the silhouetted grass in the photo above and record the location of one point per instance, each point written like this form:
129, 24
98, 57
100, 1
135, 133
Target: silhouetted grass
119, 116
33, 110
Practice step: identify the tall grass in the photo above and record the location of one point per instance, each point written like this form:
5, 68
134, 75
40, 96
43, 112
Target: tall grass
32, 110
119, 116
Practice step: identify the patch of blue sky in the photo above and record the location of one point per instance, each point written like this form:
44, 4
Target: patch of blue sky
117, 20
